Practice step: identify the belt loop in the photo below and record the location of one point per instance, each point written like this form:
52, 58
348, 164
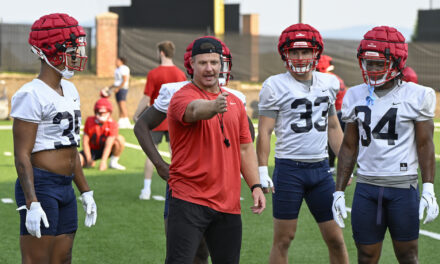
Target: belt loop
379, 206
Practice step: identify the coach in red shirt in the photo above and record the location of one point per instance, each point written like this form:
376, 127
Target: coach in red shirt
211, 143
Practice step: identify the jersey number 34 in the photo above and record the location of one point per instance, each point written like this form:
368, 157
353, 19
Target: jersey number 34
389, 117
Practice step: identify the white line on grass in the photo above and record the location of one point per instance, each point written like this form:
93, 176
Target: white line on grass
422, 232
134, 146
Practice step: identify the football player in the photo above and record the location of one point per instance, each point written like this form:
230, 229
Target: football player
153, 116
101, 138
46, 127
299, 105
389, 133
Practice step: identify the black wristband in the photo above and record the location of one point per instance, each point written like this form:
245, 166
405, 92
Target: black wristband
256, 186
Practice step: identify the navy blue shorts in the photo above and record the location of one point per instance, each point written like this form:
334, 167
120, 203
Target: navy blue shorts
158, 135
377, 208
57, 198
294, 181
121, 95
96, 154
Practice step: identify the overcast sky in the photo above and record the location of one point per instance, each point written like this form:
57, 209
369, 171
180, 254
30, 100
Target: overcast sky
275, 15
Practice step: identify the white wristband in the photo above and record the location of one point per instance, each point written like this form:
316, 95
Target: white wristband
428, 187
263, 170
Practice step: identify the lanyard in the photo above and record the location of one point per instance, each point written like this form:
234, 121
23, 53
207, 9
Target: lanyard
219, 117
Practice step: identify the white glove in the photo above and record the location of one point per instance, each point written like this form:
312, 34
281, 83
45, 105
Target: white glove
34, 215
265, 180
89, 206
428, 201
338, 208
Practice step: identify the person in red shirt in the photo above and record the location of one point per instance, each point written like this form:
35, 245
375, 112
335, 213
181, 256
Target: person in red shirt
211, 143
167, 72
101, 138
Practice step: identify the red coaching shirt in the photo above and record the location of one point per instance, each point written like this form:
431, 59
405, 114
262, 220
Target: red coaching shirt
98, 133
203, 169
155, 79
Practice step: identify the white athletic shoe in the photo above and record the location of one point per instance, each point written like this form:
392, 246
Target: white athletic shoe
145, 194
115, 165
124, 123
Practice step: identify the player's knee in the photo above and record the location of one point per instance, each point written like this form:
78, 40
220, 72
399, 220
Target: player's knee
335, 243
365, 256
407, 257
283, 242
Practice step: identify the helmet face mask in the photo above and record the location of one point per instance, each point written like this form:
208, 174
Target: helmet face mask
75, 57
102, 116
301, 59
376, 69
225, 71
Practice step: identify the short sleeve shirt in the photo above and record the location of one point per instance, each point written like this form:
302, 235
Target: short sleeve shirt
203, 169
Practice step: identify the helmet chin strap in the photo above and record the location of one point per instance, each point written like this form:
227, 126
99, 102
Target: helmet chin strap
65, 73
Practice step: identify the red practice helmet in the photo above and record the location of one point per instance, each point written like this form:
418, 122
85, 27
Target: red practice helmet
225, 71
103, 103
300, 36
382, 55
57, 36
325, 64
409, 75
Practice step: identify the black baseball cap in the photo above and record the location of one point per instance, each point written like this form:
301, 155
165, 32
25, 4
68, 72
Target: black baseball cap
206, 45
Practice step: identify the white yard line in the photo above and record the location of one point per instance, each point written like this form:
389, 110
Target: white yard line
135, 146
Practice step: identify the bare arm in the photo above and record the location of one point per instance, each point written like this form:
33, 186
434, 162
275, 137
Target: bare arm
424, 131
107, 148
251, 129
249, 165
265, 129
249, 169
148, 120
124, 80
335, 133
24, 134
87, 151
79, 178
205, 109
144, 103
347, 155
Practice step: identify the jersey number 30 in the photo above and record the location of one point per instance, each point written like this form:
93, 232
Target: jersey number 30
68, 131
389, 117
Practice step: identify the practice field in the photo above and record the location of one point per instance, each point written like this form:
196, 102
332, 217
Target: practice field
129, 230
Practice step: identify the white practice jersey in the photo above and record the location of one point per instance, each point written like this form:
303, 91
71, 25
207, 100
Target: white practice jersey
121, 71
167, 91
301, 120
387, 145
58, 117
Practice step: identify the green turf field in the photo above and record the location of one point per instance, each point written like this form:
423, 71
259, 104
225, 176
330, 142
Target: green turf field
131, 231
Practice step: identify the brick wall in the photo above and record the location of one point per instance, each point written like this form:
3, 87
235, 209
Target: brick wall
106, 44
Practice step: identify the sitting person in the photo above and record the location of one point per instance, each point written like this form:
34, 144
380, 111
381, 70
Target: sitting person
101, 138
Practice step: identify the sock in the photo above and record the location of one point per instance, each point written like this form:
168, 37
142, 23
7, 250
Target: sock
147, 184
114, 159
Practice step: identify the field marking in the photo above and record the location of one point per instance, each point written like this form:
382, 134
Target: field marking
158, 198
421, 231
135, 146
7, 200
